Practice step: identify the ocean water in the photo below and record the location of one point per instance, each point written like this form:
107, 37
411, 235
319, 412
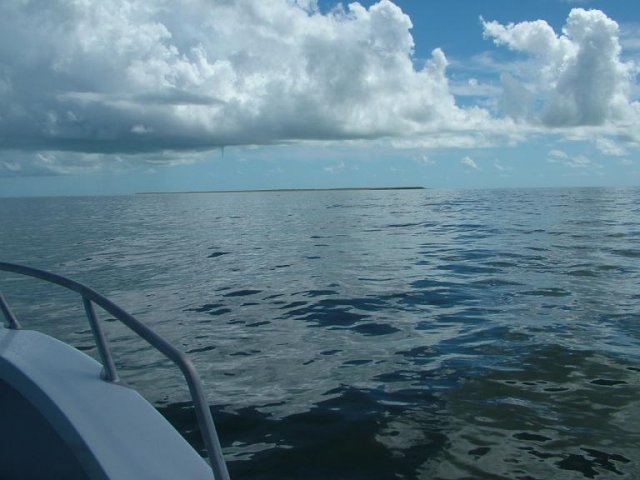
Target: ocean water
488, 334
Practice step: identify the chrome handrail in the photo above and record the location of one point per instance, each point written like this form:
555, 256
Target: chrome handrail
90, 297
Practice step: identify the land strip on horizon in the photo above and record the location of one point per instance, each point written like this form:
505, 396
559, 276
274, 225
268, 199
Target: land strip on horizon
286, 190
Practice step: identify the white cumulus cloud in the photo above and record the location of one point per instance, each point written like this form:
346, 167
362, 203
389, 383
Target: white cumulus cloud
571, 161
609, 147
90, 85
128, 76
469, 163
578, 77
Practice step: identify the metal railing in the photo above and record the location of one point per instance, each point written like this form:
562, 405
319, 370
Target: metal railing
109, 373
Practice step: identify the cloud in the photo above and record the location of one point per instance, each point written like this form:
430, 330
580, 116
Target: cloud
609, 147
578, 76
473, 88
572, 161
470, 163
498, 166
630, 36
555, 156
425, 160
16, 163
89, 85
579, 161
121, 76
337, 168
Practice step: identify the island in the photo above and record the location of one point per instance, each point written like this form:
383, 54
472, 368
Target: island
335, 189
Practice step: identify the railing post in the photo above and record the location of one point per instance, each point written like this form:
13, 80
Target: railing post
109, 369
8, 314
89, 297
205, 421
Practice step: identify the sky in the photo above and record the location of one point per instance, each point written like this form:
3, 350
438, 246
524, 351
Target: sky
101, 97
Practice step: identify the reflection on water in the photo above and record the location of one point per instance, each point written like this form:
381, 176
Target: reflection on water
560, 409
377, 335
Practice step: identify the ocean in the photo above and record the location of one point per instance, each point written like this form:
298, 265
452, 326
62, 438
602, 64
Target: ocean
410, 334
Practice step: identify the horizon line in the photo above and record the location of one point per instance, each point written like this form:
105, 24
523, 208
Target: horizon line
266, 190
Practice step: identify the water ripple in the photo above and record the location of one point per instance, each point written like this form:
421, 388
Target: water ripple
367, 335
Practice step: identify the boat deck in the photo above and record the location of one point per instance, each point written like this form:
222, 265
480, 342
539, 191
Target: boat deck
107, 430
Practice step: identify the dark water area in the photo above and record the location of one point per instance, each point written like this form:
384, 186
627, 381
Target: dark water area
490, 334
